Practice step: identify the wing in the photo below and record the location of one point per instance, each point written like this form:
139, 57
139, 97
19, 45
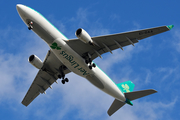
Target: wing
44, 78
111, 42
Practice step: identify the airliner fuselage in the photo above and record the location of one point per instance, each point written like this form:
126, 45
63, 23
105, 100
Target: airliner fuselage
73, 61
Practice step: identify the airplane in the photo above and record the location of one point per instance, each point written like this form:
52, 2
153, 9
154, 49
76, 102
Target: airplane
77, 55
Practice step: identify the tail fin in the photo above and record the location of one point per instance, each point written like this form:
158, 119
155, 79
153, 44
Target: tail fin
129, 96
127, 86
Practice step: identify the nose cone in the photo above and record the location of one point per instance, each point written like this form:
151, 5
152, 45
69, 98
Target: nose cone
20, 9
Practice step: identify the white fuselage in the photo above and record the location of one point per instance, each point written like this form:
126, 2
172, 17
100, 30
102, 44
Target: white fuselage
66, 54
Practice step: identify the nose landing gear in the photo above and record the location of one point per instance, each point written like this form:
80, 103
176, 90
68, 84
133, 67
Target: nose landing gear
30, 25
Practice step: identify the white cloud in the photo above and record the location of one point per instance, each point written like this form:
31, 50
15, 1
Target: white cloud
16, 72
117, 57
136, 25
168, 72
176, 39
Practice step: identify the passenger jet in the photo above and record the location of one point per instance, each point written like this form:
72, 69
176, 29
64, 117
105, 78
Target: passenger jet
77, 55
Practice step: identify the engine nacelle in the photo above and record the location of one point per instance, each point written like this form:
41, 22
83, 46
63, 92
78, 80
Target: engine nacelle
84, 36
35, 61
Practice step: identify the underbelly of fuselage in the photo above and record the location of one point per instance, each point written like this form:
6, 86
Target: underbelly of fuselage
70, 58
77, 64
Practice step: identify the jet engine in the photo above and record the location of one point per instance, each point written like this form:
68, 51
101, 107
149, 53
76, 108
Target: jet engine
84, 36
35, 61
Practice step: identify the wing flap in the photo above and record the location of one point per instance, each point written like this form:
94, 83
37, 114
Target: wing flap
38, 86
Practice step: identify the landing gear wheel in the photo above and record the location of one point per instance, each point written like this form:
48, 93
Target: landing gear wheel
30, 27
66, 80
86, 61
63, 81
90, 67
94, 65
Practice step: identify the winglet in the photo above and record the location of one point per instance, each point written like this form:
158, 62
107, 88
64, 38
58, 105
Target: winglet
170, 27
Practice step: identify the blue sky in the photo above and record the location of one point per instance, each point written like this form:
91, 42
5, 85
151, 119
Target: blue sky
153, 62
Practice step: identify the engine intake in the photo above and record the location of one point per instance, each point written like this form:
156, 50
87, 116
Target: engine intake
78, 32
84, 36
35, 61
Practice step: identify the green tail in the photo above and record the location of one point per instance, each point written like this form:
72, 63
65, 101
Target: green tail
127, 86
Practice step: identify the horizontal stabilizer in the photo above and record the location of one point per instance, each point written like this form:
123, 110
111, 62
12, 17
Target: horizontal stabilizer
115, 106
138, 94
129, 97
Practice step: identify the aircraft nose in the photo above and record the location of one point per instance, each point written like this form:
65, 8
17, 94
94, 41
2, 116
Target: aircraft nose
20, 8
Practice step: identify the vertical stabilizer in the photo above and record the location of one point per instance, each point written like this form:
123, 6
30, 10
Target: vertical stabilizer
127, 86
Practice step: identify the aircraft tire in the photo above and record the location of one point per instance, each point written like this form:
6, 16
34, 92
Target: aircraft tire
63, 81
86, 61
90, 67
94, 65
66, 80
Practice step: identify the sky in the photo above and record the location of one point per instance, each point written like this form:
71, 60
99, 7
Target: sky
153, 63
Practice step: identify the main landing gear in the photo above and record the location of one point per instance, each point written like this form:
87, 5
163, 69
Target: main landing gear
64, 80
30, 25
62, 75
88, 61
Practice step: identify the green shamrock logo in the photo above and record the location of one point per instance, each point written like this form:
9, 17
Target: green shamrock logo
125, 87
55, 46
